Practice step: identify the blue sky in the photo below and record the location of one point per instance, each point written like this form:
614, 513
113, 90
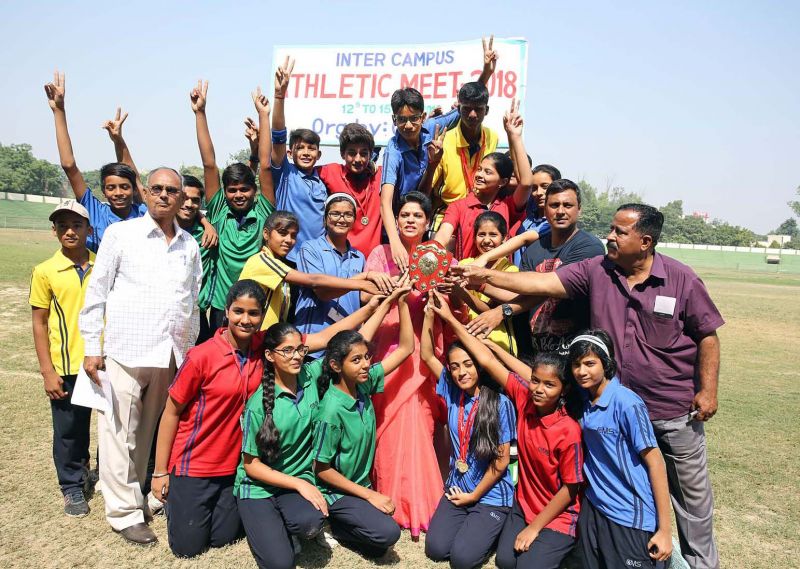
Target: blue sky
682, 100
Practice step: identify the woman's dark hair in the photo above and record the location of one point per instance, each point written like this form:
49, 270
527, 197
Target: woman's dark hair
570, 397
355, 134
583, 348
281, 220
121, 170
502, 163
238, 173
268, 439
336, 351
485, 439
408, 97
418, 198
552, 171
563, 185
244, 288
491, 217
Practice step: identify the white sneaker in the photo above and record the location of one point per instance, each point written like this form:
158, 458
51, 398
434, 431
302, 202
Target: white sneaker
155, 505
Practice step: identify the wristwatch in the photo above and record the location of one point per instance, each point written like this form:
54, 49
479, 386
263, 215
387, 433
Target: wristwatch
507, 312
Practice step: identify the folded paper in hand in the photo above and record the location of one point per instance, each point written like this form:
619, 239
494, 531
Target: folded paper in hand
88, 394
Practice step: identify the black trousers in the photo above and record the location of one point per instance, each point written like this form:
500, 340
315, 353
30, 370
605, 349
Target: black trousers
201, 513
216, 319
269, 522
205, 328
357, 524
608, 545
70, 439
547, 551
464, 535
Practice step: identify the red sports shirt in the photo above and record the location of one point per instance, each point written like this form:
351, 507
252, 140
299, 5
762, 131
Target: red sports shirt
367, 193
550, 455
461, 214
214, 388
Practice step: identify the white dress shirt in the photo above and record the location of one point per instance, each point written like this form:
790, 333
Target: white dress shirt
141, 304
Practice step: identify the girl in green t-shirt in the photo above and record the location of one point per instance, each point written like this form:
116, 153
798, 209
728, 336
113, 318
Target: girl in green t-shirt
344, 437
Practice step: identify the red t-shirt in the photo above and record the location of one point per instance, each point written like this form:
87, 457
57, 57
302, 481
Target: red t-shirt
215, 387
550, 454
461, 214
366, 191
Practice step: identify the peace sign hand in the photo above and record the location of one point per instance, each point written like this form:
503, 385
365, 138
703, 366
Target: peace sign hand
512, 120
55, 91
198, 96
435, 147
260, 101
114, 126
489, 54
282, 76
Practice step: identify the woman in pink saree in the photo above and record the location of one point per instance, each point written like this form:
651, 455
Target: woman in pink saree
406, 468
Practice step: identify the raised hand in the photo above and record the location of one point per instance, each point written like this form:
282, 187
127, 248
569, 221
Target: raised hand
260, 101
489, 54
55, 91
282, 76
114, 126
198, 96
435, 147
251, 134
512, 120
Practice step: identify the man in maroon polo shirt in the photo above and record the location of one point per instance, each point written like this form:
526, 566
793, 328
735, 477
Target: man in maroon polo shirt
663, 324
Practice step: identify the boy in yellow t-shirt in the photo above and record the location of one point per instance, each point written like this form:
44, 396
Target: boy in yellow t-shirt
58, 287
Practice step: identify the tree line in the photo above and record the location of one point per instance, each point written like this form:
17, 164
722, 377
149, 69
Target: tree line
22, 172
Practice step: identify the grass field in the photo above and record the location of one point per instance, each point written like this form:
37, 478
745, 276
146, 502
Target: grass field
753, 440
24, 215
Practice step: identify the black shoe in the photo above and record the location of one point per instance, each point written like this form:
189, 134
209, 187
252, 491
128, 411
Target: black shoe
75, 505
138, 534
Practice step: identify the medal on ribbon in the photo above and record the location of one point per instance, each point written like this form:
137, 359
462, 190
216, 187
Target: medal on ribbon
464, 433
428, 265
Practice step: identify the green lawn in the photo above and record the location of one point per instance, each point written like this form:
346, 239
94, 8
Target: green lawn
752, 442
25, 215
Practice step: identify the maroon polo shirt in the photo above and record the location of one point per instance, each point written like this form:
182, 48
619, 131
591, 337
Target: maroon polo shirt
655, 327
461, 214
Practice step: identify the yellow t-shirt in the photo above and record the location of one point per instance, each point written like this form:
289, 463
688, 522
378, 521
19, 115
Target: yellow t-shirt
57, 286
450, 173
270, 272
503, 335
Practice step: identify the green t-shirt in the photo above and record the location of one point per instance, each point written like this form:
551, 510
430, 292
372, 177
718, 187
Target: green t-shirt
293, 417
238, 241
208, 258
344, 432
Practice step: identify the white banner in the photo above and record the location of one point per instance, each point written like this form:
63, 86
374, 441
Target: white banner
335, 85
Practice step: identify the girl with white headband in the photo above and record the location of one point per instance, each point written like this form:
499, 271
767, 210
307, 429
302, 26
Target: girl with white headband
625, 514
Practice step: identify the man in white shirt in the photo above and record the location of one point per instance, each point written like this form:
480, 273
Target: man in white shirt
138, 321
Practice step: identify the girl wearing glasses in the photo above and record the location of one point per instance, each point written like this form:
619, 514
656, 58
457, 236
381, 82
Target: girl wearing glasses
274, 486
269, 269
333, 255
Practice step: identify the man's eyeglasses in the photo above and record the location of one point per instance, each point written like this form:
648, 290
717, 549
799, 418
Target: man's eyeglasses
157, 190
288, 353
400, 121
337, 215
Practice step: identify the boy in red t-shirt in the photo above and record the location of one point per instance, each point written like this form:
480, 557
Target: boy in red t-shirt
359, 178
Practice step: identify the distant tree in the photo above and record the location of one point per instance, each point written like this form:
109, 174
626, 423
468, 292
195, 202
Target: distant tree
788, 227
795, 204
196, 171
242, 156
598, 208
22, 172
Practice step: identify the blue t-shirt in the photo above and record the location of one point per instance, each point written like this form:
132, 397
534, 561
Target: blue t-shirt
616, 430
304, 195
101, 216
502, 493
531, 222
403, 166
320, 256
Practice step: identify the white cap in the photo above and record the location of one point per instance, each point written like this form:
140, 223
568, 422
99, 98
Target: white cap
70, 205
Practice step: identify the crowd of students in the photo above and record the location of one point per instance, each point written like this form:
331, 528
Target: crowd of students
326, 397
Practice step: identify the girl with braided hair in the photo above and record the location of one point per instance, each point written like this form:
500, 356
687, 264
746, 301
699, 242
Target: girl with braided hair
274, 486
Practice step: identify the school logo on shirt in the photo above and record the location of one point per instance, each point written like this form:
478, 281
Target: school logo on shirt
607, 431
633, 563
544, 451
